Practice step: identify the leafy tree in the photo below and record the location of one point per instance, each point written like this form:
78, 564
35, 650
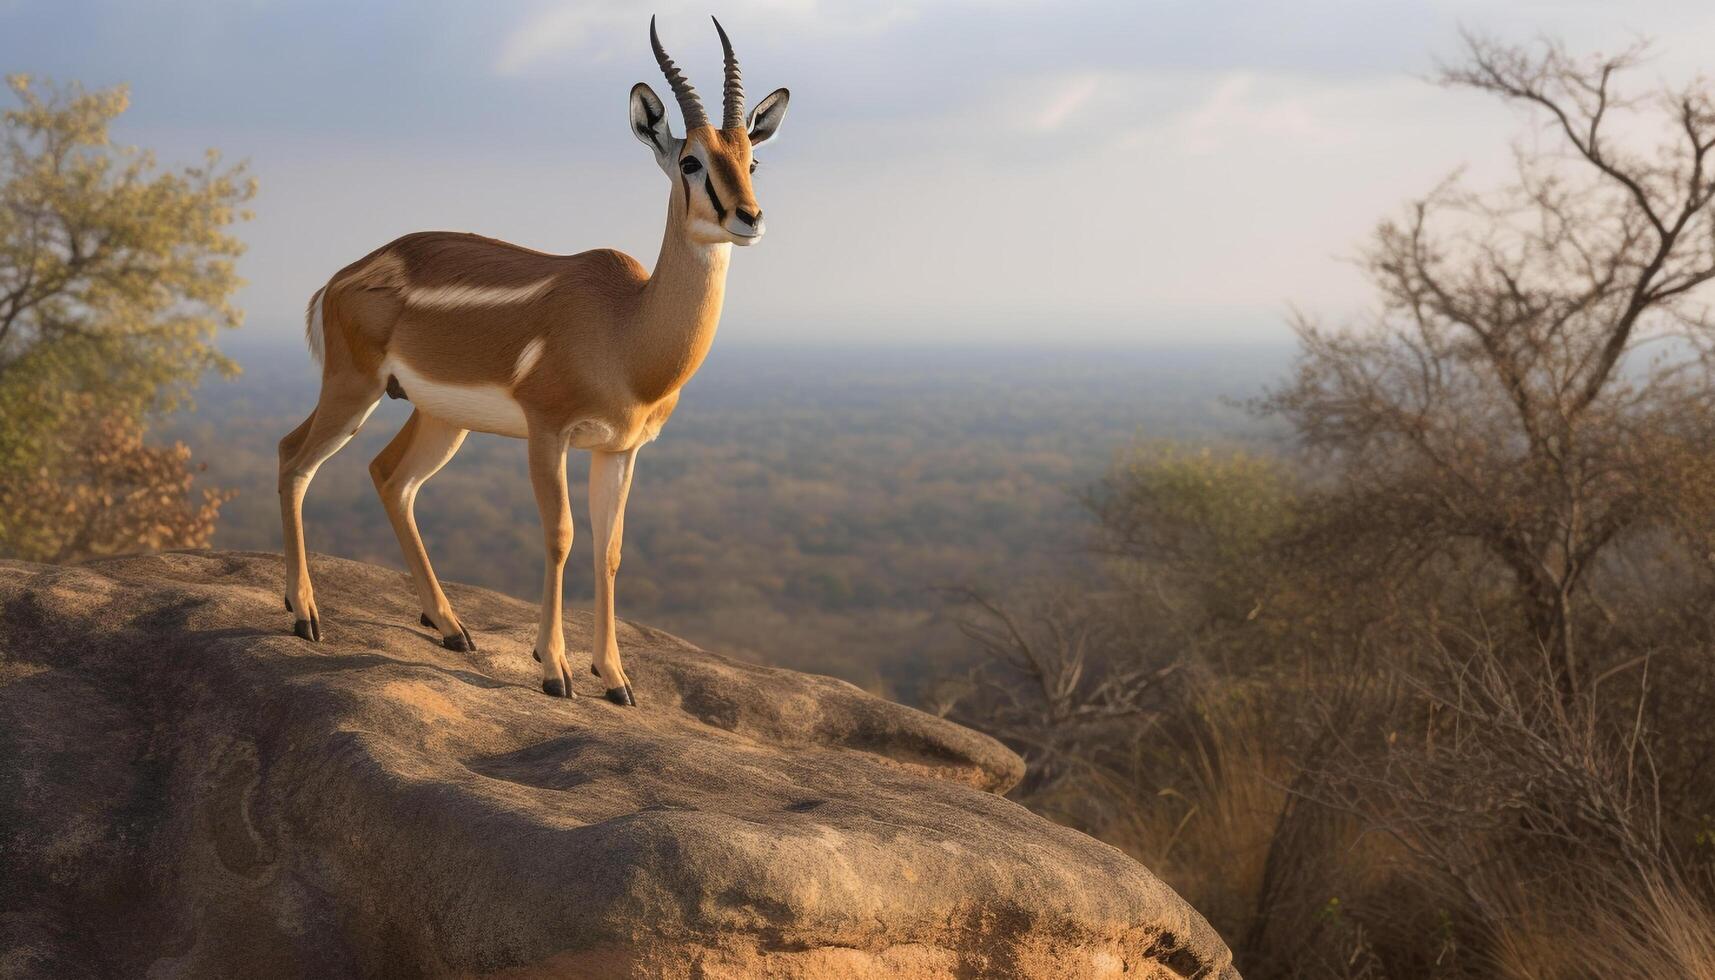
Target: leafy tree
114, 278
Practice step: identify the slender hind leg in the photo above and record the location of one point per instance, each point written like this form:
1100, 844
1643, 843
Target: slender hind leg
548, 478
289, 446
338, 415
417, 453
610, 484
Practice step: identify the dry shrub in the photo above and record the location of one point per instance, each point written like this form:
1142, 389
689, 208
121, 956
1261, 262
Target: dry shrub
1459, 822
104, 492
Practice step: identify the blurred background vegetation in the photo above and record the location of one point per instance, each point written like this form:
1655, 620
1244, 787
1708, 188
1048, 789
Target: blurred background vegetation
114, 278
1390, 654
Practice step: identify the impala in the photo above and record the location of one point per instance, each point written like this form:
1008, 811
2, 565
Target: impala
585, 351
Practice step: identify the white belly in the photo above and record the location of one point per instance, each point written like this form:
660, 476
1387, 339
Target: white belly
480, 407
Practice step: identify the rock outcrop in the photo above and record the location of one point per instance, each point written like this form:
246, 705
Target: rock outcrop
188, 790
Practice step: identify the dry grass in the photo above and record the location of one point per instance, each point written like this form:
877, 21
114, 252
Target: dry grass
1275, 875
1209, 831
1299, 890
1620, 930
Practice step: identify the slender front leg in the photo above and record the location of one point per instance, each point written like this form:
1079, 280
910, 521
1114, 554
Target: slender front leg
610, 484
548, 478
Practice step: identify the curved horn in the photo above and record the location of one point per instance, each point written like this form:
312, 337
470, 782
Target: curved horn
732, 111
690, 106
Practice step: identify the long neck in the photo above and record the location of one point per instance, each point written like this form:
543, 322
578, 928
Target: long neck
679, 309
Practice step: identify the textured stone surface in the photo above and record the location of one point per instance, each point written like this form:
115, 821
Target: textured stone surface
186, 789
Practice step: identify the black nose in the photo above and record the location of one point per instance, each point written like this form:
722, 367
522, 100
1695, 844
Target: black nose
751, 218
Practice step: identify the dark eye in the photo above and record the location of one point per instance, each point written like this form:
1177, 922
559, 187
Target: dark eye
753, 166
690, 165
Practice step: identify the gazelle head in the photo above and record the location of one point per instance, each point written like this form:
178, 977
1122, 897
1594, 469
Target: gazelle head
710, 168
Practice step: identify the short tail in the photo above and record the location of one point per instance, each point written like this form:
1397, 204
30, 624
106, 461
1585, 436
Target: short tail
314, 327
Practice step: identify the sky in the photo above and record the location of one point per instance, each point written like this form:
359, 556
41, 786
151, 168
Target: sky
950, 172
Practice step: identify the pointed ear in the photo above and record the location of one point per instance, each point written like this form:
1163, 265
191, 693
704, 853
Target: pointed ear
649, 123
766, 118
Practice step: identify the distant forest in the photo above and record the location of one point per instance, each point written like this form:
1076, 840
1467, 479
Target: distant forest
805, 507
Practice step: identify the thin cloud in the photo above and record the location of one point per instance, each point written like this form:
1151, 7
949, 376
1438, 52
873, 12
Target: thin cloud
589, 30
1242, 106
547, 32
1073, 95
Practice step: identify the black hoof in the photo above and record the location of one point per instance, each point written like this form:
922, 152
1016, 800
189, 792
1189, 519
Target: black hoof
565, 682
464, 642
554, 687
309, 629
630, 698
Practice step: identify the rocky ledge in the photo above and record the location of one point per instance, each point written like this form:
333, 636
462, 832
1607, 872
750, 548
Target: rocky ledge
187, 789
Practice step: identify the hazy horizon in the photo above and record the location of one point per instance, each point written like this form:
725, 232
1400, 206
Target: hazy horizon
282, 335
